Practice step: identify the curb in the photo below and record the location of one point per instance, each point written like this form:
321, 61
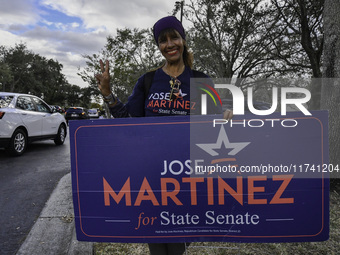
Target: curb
54, 231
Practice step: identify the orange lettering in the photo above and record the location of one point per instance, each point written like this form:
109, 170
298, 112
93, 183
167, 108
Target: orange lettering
210, 187
277, 197
163, 102
187, 105
193, 105
222, 186
145, 187
108, 191
150, 103
180, 104
170, 194
252, 190
193, 189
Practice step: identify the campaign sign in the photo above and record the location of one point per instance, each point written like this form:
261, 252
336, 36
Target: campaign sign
199, 178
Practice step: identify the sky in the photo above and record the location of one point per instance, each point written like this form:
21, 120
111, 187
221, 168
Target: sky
65, 30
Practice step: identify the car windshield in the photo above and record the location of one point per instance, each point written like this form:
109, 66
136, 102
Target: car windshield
5, 101
93, 111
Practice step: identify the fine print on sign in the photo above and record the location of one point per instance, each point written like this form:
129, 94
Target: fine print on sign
199, 178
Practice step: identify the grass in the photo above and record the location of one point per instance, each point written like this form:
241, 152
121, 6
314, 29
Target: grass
330, 247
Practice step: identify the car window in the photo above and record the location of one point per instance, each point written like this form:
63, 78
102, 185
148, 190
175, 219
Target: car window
41, 106
75, 110
25, 103
5, 101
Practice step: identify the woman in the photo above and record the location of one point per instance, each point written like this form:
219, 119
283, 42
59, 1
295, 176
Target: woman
168, 94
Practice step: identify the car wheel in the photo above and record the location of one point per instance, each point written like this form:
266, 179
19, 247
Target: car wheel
18, 143
60, 138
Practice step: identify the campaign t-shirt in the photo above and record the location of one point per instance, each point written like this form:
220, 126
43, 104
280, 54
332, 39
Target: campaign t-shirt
158, 103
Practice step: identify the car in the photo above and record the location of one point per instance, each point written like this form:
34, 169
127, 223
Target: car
27, 118
93, 113
76, 113
58, 108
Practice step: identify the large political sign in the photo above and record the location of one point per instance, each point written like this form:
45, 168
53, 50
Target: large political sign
201, 178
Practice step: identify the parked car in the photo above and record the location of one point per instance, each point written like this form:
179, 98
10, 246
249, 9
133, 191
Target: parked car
93, 113
27, 118
76, 113
58, 108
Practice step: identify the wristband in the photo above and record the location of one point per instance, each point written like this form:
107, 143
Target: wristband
110, 100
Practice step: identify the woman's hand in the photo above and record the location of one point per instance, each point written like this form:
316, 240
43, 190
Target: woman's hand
228, 114
104, 79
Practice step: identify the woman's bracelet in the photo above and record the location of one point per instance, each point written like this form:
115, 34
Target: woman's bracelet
110, 100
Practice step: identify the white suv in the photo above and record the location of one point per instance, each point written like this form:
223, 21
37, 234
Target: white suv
26, 118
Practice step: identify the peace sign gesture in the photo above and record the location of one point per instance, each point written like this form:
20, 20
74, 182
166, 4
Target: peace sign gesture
104, 78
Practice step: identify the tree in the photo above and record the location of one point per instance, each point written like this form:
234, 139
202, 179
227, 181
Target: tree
300, 21
23, 71
48, 79
18, 61
85, 97
299, 44
6, 77
130, 53
230, 38
330, 99
72, 95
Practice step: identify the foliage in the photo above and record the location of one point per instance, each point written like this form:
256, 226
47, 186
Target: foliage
300, 41
23, 71
331, 82
244, 39
131, 53
300, 34
257, 39
229, 38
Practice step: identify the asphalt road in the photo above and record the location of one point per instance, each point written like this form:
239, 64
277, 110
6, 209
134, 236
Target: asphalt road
26, 183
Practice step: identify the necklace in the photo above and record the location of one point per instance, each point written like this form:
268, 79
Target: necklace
175, 91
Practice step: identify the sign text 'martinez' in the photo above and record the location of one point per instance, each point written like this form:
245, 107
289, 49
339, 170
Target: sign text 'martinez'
152, 180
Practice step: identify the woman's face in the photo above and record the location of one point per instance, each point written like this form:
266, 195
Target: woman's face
171, 45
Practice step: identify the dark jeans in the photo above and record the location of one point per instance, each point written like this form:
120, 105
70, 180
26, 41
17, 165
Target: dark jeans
167, 248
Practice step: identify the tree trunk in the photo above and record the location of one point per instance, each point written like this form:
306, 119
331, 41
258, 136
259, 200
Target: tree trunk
330, 95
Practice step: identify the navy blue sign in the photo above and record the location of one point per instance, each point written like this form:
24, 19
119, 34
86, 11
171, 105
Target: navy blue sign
200, 178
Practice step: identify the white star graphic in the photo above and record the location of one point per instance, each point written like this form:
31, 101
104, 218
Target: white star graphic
223, 138
181, 93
